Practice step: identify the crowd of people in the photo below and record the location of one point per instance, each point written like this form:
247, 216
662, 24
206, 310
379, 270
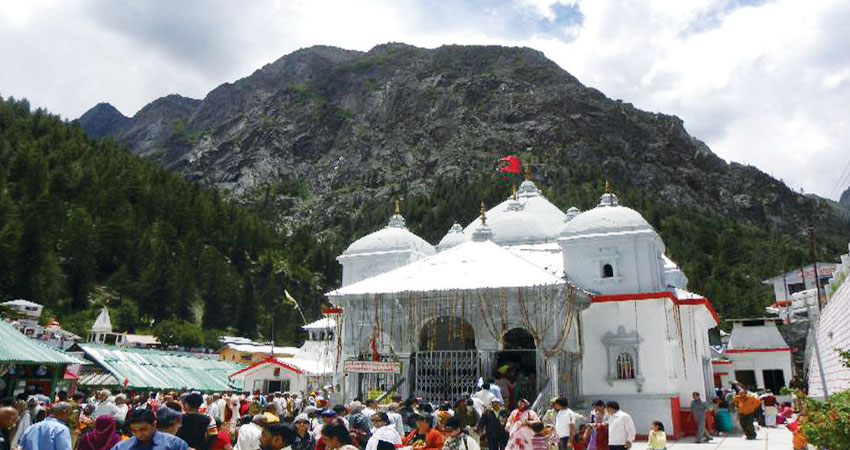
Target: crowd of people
760, 407
254, 421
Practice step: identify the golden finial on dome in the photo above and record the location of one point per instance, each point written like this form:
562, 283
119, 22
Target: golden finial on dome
608, 189
483, 214
527, 173
397, 209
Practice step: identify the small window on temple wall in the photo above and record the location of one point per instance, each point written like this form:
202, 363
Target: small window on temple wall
625, 366
607, 271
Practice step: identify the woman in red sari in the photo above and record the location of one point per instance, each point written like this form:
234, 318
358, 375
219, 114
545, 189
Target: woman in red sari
519, 426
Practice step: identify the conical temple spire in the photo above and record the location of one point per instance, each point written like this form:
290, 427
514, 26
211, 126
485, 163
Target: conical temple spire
483, 232
527, 173
102, 324
397, 221
608, 198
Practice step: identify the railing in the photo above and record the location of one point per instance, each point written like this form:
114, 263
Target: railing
446, 375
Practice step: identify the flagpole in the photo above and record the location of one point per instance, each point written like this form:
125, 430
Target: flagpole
302, 314
294, 302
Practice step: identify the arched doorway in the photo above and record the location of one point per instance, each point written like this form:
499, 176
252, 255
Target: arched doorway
447, 365
447, 333
515, 370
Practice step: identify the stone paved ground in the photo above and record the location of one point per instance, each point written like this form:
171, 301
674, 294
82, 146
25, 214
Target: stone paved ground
768, 439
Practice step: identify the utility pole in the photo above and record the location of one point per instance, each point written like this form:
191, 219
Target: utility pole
814, 327
815, 263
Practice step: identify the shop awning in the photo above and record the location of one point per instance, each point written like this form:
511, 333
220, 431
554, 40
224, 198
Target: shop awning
15, 348
157, 369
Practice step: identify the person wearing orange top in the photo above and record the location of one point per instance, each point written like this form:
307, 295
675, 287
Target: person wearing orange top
747, 404
798, 441
424, 437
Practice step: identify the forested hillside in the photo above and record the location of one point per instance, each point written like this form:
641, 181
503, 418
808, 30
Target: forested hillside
85, 223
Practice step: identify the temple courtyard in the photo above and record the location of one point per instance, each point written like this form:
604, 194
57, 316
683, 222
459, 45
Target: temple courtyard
768, 439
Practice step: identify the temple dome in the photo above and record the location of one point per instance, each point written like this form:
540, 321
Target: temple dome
572, 213
455, 236
528, 219
395, 237
607, 218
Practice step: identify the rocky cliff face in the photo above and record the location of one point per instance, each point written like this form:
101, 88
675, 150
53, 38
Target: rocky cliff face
350, 125
845, 199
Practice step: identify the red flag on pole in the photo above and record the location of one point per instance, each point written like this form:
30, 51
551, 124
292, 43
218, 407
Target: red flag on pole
513, 165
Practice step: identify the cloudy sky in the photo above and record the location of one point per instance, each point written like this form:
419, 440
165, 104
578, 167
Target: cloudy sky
765, 83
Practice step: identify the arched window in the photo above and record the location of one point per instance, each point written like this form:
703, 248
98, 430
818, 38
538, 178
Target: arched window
607, 271
623, 352
625, 366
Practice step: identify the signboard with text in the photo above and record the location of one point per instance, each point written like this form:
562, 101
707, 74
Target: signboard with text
371, 367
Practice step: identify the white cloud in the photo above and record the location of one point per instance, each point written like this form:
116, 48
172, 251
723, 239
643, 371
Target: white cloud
766, 83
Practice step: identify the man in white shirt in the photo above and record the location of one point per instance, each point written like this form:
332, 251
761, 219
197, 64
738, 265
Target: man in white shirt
621, 428
384, 431
370, 409
565, 423
485, 396
395, 418
216, 408
249, 434
496, 390
104, 406
121, 407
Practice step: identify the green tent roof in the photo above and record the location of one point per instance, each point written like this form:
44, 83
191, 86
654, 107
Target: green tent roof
156, 369
17, 348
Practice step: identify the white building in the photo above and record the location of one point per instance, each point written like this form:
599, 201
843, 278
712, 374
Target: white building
27, 310
584, 305
759, 356
800, 306
310, 367
832, 332
27, 319
798, 280
101, 333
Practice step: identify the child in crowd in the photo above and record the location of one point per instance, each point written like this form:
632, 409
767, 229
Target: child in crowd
539, 441
657, 436
582, 437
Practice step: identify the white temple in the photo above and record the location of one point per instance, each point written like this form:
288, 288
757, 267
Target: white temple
580, 304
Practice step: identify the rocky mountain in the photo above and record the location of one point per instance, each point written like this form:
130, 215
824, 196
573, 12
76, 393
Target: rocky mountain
400, 115
102, 120
322, 139
845, 199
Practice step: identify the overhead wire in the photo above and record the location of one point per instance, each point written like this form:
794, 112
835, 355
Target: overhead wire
845, 174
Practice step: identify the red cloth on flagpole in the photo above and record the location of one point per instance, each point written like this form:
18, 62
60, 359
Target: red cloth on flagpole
513, 166
374, 346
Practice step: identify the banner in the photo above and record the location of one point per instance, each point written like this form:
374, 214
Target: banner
72, 371
371, 367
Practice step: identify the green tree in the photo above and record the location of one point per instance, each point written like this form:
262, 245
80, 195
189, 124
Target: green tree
79, 249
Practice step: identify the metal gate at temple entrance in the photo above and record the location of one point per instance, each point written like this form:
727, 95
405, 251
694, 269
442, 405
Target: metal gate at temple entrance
446, 374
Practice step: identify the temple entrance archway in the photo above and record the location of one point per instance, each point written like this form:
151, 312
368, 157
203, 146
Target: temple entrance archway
447, 365
446, 333
515, 370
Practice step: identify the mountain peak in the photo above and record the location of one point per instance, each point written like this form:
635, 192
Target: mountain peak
102, 120
845, 198
340, 118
